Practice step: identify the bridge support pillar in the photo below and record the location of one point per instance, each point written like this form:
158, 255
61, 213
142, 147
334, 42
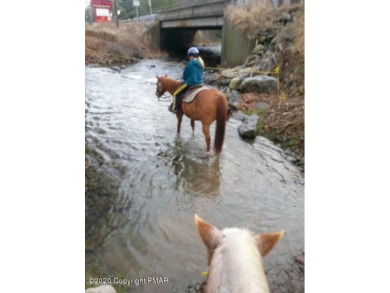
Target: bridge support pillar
152, 36
235, 46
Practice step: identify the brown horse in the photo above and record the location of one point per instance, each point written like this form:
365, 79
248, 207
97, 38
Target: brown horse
208, 105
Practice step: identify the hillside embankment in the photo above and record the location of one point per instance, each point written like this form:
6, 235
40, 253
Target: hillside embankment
106, 45
279, 53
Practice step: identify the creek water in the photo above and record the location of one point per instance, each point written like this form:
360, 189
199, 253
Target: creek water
144, 184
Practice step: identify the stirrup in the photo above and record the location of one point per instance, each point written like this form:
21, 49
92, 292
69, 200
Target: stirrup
171, 110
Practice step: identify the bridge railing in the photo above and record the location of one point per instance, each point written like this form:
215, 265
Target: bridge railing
190, 3
198, 9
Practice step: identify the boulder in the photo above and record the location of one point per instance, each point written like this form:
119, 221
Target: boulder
266, 63
224, 81
235, 83
234, 99
259, 84
265, 36
213, 78
248, 127
252, 60
239, 115
226, 92
229, 73
243, 73
285, 17
116, 68
259, 49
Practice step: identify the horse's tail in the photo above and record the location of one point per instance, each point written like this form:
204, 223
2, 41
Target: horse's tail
221, 123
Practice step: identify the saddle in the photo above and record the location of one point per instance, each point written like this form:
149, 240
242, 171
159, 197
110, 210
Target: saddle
191, 92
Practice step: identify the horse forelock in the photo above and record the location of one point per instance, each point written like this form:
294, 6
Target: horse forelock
236, 264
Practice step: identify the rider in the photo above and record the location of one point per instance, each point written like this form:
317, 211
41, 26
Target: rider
192, 76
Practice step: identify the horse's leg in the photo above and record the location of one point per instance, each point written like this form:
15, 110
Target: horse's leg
179, 116
193, 126
206, 132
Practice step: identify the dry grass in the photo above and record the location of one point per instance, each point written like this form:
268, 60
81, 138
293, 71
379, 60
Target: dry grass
250, 18
249, 100
107, 45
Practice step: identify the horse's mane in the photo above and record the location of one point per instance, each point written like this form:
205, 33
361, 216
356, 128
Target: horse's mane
169, 79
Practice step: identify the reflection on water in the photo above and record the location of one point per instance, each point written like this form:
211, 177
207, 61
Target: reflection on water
144, 184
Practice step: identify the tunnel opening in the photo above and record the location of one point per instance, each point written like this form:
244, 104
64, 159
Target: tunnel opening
176, 42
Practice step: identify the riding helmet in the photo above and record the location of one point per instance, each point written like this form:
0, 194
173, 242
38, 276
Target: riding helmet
192, 51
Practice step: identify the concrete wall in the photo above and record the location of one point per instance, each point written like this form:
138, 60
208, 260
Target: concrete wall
177, 34
235, 46
152, 36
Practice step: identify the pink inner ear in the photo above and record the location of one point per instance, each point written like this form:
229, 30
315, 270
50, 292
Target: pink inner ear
267, 241
210, 235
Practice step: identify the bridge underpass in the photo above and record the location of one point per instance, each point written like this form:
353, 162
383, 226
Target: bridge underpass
177, 27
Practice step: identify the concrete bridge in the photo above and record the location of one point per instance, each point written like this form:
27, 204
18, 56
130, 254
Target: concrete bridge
176, 28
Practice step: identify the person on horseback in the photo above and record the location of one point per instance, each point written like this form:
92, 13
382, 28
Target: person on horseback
192, 76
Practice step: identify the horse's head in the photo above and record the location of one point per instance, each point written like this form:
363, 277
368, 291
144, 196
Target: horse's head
160, 90
213, 237
237, 250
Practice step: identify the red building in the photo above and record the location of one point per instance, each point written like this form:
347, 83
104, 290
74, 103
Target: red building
101, 10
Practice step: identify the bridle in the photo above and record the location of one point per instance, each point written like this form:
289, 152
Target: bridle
160, 88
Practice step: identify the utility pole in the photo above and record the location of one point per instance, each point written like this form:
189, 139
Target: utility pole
136, 4
116, 14
150, 7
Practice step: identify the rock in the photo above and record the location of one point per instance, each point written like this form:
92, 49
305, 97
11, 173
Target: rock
224, 81
265, 36
288, 37
233, 106
235, 83
300, 258
266, 63
259, 84
234, 97
285, 18
239, 115
116, 68
242, 73
259, 49
252, 60
262, 105
262, 39
212, 79
226, 91
229, 73
248, 127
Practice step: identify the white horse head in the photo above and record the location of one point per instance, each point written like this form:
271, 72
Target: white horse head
235, 258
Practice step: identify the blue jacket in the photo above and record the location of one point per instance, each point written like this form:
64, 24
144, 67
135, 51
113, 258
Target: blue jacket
193, 73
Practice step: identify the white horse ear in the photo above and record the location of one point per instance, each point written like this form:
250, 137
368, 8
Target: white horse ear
266, 241
210, 235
